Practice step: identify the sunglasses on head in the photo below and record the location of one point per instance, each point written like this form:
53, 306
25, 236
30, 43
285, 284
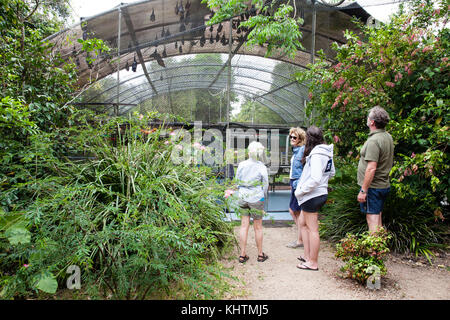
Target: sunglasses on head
293, 137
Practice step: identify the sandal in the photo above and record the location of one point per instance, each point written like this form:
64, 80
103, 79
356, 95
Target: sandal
301, 259
305, 267
263, 257
243, 259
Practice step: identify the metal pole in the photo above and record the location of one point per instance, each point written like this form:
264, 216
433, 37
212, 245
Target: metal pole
116, 109
305, 118
253, 110
229, 72
313, 30
230, 42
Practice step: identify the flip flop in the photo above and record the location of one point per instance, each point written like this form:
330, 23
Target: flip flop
301, 259
243, 259
263, 257
305, 267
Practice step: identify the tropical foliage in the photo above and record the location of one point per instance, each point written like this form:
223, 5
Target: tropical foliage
254, 112
34, 89
134, 222
416, 231
269, 23
402, 66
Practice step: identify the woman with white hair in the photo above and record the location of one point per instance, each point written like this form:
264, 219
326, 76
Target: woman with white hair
253, 182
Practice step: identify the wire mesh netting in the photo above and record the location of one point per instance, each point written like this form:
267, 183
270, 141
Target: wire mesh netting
160, 48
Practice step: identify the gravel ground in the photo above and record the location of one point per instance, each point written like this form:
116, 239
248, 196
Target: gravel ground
278, 278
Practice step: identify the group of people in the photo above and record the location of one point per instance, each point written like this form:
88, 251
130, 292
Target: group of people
311, 168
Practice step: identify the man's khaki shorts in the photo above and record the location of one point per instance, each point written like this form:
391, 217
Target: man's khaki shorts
250, 208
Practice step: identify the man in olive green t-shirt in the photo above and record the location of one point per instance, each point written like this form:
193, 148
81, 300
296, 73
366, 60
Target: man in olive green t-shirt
375, 163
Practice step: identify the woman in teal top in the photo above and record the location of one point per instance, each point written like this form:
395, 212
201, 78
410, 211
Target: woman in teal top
297, 137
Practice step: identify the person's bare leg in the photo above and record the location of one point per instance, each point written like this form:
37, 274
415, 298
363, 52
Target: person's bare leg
243, 233
305, 236
257, 226
312, 224
299, 232
373, 221
380, 220
295, 216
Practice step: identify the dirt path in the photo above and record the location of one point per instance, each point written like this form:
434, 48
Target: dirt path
279, 279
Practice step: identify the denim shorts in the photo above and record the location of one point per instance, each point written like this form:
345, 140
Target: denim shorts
293, 202
314, 204
374, 201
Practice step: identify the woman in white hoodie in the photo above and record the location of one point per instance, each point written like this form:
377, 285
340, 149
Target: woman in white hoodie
312, 192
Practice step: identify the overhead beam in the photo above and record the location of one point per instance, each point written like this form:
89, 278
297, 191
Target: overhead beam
195, 66
275, 90
286, 115
298, 94
130, 27
230, 56
103, 104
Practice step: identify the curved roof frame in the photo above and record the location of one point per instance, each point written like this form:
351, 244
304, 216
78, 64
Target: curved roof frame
138, 32
289, 106
149, 95
134, 30
193, 66
285, 115
114, 96
188, 87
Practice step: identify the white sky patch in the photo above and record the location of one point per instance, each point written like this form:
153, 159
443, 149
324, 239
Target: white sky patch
381, 9
88, 8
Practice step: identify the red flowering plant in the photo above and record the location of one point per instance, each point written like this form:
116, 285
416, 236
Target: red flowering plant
402, 66
363, 252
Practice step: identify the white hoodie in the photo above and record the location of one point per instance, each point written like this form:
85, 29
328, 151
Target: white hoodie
319, 167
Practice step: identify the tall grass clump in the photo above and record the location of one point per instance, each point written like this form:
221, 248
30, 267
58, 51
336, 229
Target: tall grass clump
410, 222
135, 223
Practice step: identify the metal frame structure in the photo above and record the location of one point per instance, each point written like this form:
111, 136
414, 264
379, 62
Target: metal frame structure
155, 30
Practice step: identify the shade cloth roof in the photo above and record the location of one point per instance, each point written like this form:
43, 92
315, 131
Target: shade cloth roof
156, 30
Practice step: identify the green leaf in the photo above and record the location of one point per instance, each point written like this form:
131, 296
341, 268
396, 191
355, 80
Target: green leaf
422, 142
47, 283
18, 235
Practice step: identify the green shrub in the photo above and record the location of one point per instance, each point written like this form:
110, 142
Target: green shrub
362, 253
133, 221
341, 214
408, 220
402, 66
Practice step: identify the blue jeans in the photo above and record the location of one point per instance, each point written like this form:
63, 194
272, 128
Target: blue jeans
293, 202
